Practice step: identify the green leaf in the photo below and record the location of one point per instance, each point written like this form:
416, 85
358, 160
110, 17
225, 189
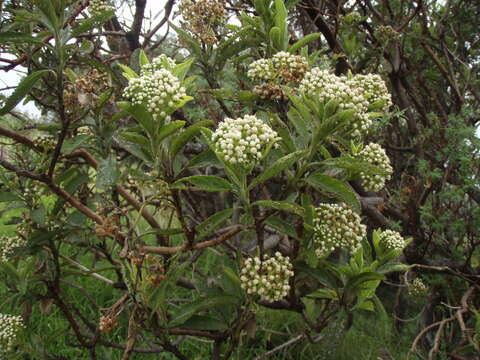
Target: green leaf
283, 205
22, 90
330, 185
277, 167
302, 42
276, 38
107, 173
127, 72
8, 37
202, 304
39, 215
282, 226
181, 140
181, 70
393, 267
206, 183
213, 222
324, 294
8, 196
199, 322
169, 129
142, 58
90, 23
355, 282
135, 138
140, 113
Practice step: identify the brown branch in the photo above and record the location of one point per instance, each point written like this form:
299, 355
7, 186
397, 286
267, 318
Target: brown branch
20, 138
165, 250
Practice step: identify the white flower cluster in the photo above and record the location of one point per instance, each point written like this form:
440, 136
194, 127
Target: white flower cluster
375, 155
261, 69
326, 86
374, 89
160, 62
10, 327
392, 240
283, 66
268, 278
337, 226
8, 246
289, 67
97, 7
159, 91
242, 140
417, 288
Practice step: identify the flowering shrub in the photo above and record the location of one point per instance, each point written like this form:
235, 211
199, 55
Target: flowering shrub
173, 202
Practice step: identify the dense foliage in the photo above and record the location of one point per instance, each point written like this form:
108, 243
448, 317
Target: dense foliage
291, 179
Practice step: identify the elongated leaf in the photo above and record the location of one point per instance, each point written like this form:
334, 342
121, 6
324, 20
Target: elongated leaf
181, 70
202, 304
170, 129
181, 140
135, 138
9, 37
92, 22
206, 182
355, 283
213, 222
199, 322
127, 72
282, 226
8, 196
328, 184
324, 294
142, 58
140, 113
22, 90
283, 205
302, 42
277, 167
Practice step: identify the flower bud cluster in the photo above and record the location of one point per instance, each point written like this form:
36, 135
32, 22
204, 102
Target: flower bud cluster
107, 323
351, 18
96, 7
337, 226
269, 278
374, 89
160, 62
282, 69
386, 33
375, 155
392, 240
46, 142
270, 91
8, 245
261, 70
289, 67
201, 17
10, 328
242, 140
325, 86
159, 91
417, 288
